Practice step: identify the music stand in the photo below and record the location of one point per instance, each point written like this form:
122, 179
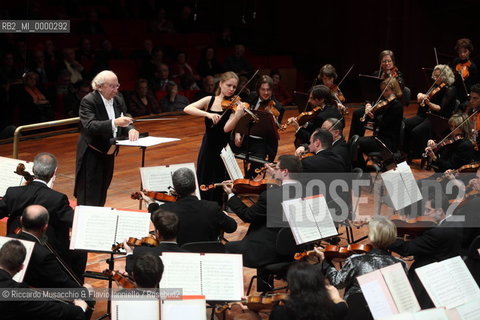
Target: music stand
369, 87
427, 74
265, 128
439, 126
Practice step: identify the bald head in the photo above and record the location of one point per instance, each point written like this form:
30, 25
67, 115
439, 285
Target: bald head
106, 82
34, 218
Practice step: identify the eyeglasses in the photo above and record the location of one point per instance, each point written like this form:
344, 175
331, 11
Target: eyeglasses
387, 61
113, 86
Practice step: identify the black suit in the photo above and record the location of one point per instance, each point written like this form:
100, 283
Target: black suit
44, 271
325, 161
434, 245
259, 246
198, 220
26, 310
303, 134
158, 250
94, 167
342, 148
61, 214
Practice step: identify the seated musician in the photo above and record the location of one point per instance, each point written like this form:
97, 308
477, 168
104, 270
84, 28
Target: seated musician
46, 268
264, 147
320, 99
381, 234
258, 247
468, 107
16, 199
328, 75
207, 217
455, 151
387, 116
433, 245
440, 100
387, 69
309, 296
166, 227
12, 255
147, 271
465, 69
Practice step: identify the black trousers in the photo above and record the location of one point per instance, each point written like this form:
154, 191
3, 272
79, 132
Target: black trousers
94, 178
418, 130
357, 126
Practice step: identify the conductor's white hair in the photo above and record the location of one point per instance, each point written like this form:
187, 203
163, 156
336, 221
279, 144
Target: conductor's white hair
100, 78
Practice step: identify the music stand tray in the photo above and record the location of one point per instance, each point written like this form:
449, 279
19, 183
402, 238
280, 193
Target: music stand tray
369, 87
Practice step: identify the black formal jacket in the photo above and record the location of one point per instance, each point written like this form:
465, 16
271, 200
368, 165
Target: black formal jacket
342, 148
303, 134
61, 214
260, 242
96, 127
27, 310
44, 271
158, 250
325, 161
199, 220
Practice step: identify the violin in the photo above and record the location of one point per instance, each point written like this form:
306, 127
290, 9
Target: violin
444, 143
122, 280
306, 155
304, 117
472, 167
271, 108
333, 252
412, 226
135, 242
257, 303
433, 92
234, 103
25, 174
263, 169
159, 196
462, 69
378, 106
244, 186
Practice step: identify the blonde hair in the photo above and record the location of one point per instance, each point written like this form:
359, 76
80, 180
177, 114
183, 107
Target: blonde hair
381, 232
394, 85
224, 77
455, 121
445, 72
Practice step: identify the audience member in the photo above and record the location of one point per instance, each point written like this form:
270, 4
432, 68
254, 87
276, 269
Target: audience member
173, 101
142, 102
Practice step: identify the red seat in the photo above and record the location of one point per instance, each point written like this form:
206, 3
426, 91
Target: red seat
126, 71
160, 94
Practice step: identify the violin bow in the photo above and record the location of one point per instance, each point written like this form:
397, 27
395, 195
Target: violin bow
383, 91
346, 74
314, 83
461, 124
441, 74
436, 56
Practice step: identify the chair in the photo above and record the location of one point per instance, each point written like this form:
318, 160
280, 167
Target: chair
354, 148
285, 246
204, 247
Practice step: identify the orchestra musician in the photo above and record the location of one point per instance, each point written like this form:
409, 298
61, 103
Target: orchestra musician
433, 245
468, 107
387, 115
218, 125
381, 234
12, 255
455, 151
258, 247
262, 147
328, 75
387, 70
439, 101
321, 100
102, 119
466, 70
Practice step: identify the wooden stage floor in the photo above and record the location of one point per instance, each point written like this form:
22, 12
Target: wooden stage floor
127, 177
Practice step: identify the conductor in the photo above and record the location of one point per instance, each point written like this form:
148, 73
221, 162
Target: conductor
101, 121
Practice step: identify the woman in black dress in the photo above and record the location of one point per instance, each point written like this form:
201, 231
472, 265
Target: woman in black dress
218, 125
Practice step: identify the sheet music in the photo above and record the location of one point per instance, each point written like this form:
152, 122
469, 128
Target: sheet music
322, 216
440, 285
409, 181
159, 178
469, 311
8, 177
377, 294
182, 270
145, 141
94, 227
192, 308
138, 309
401, 186
222, 276
29, 249
460, 274
231, 163
400, 288
301, 221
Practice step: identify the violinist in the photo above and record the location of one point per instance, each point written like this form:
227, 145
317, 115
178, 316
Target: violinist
388, 116
12, 255
468, 107
261, 147
440, 100
328, 75
455, 151
258, 247
218, 125
386, 70
466, 71
323, 106
310, 297
166, 228
433, 245
147, 271
381, 234
200, 220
